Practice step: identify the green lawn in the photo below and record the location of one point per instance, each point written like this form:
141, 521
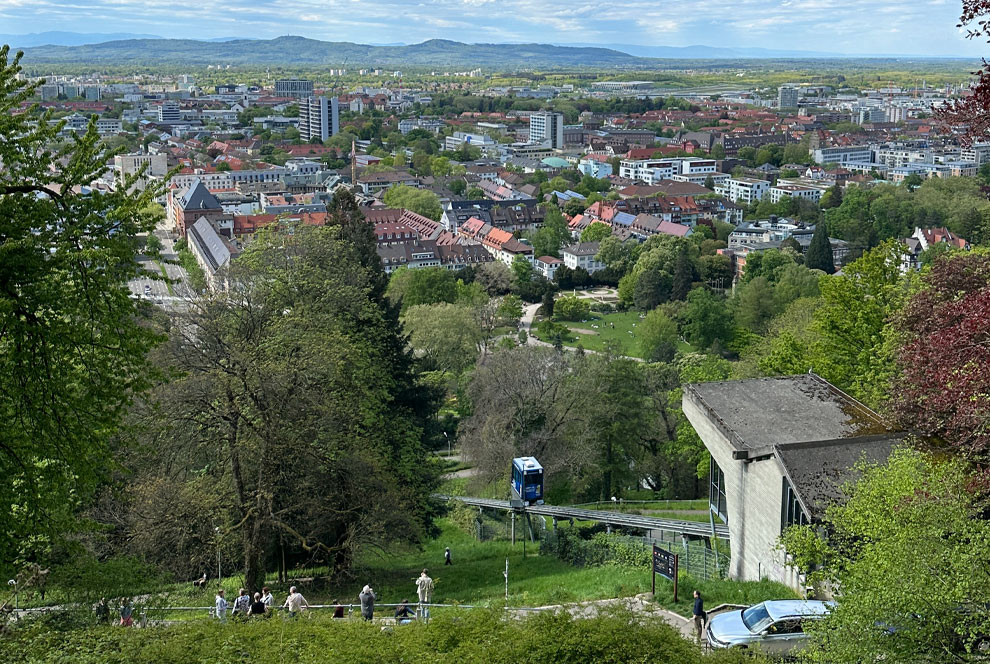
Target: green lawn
476, 577
477, 574
717, 591
623, 334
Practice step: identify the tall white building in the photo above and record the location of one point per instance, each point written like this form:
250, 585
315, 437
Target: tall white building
547, 127
319, 117
744, 190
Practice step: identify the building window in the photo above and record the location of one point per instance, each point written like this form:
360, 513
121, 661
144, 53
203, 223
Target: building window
716, 492
791, 513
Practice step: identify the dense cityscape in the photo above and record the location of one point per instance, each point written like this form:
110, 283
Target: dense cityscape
492, 352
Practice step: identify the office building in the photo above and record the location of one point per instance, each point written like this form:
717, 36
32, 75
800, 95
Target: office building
745, 190
843, 155
168, 113
319, 117
787, 97
293, 87
547, 128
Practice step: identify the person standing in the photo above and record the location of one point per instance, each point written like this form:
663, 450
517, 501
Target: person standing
700, 617
258, 607
242, 604
446, 557
103, 611
126, 613
266, 597
367, 598
295, 602
221, 607
424, 590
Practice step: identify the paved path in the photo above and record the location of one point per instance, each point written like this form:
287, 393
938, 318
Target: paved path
641, 604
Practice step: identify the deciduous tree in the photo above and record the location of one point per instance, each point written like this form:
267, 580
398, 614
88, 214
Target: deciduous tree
906, 553
944, 388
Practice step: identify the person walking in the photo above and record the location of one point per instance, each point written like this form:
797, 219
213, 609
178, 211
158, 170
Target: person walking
266, 597
221, 606
126, 613
295, 602
367, 598
700, 617
446, 557
242, 604
424, 590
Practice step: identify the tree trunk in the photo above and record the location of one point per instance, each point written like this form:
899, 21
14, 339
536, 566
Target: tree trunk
254, 554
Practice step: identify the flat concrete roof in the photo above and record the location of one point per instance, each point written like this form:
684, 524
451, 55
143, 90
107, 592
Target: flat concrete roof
818, 471
762, 412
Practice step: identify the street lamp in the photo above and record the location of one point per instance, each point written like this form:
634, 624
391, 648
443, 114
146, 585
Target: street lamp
13, 582
448, 442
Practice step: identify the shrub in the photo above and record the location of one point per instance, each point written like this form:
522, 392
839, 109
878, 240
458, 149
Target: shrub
461, 636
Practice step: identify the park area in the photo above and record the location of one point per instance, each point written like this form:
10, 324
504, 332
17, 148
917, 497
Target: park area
476, 628
599, 331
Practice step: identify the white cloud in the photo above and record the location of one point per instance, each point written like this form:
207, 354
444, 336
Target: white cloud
823, 25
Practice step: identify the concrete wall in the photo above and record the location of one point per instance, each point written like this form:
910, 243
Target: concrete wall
753, 497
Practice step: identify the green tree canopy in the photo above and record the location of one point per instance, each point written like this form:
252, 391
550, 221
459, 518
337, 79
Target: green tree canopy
428, 285
596, 232
73, 343
571, 307
907, 554
420, 201
819, 255
309, 386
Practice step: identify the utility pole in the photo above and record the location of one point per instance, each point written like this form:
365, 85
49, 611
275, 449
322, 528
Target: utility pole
506, 581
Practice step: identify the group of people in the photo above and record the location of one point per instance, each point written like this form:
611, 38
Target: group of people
403, 612
126, 612
261, 604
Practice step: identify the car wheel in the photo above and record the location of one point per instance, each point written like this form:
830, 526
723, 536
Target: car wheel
982, 646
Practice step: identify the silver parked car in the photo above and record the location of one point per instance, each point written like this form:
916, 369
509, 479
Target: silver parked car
775, 627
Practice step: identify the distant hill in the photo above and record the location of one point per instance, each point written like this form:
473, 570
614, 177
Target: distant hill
303, 51
699, 51
67, 38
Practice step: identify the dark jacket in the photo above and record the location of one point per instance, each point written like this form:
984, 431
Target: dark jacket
699, 607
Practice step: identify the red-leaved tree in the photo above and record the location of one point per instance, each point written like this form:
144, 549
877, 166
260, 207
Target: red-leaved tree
944, 389
969, 117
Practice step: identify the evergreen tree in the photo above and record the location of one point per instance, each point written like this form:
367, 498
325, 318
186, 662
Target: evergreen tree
684, 276
73, 342
819, 256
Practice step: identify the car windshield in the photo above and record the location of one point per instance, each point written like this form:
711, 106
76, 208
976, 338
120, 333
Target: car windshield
756, 618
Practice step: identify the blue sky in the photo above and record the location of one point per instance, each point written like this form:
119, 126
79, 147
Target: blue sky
923, 27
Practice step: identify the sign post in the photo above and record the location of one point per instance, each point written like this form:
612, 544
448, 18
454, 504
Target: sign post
664, 564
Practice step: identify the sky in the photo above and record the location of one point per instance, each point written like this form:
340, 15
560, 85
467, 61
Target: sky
915, 27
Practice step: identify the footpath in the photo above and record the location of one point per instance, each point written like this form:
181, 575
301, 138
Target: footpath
641, 605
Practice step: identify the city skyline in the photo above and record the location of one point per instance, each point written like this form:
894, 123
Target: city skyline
835, 26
